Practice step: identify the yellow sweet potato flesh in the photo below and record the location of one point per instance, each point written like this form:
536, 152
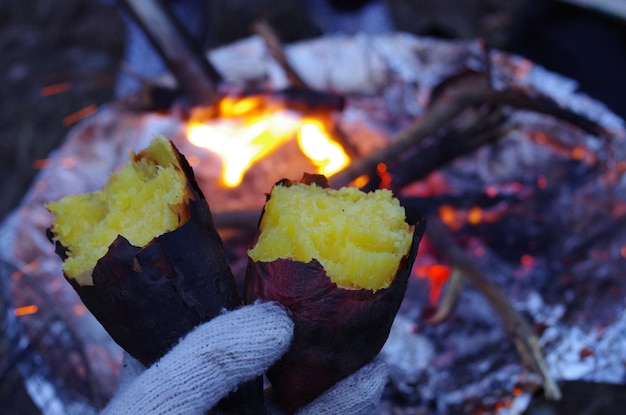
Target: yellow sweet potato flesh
144, 199
359, 238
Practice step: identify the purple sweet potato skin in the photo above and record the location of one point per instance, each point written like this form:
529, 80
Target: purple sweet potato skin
337, 330
149, 297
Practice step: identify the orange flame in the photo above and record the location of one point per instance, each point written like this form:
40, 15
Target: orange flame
230, 107
239, 146
324, 152
249, 129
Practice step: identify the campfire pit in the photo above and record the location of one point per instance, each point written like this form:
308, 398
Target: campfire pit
538, 210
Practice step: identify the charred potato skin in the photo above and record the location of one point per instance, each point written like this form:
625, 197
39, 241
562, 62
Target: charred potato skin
337, 330
148, 297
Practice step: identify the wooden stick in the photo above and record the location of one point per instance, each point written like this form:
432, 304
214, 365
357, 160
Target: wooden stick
438, 115
466, 91
485, 127
525, 340
449, 298
195, 75
274, 45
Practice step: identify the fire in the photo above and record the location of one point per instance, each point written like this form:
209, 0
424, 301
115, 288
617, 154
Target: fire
316, 144
240, 145
230, 107
249, 129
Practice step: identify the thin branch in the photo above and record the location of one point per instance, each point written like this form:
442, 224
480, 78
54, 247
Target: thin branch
525, 340
485, 127
440, 114
471, 89
274, 45
449, 298
194, 73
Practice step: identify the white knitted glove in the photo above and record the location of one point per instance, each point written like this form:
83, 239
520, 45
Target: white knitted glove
358, 394
217, 356
207, 364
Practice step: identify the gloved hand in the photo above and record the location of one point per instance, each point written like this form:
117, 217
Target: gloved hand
217, 356
358, 394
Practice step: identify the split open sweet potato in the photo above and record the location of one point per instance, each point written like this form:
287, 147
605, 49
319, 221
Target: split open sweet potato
143, 253
144, 256
339, 260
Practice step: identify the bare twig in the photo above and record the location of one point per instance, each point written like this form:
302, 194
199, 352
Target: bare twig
195, 75
465, 91
444, 110
274, 45
525, 340
485, 127
449, 298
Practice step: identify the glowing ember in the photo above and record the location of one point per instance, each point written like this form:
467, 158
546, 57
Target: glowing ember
527, 261
26, 310
491, 191
437, 275
317, 145
384, 175
578, 153
450, 216
456, 218
79, 115
24, 270
475, 215
54, 89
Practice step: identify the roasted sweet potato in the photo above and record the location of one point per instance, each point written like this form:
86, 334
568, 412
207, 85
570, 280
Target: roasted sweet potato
144, 256
143, 253
339, 260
